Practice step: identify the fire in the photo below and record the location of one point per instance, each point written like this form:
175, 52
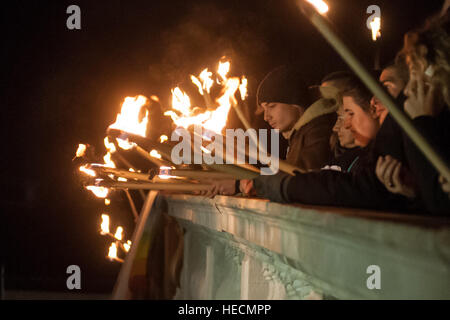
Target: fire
118, 235
155, 154
127, 246
81, 151
104, 226
129, 119
243, 88
110, 147
205, 76
154, 98
107, 202
163, 138
320, 5
223, 69
88, 171
122, 179
100, 192
183, 114
112, 252
375, 24
125, 144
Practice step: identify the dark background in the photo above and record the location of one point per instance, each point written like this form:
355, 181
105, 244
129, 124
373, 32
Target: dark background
63, 87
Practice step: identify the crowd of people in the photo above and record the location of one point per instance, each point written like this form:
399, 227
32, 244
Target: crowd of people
350, 151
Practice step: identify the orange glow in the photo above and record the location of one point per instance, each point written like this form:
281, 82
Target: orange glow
127, 246
100, 192
155, 154
243, 88
125, 144
112, 252
163, 138
87, 171
107, 202
375, 24
129, 119
81, 151
118, 235
320, 6
104, 225
184, 115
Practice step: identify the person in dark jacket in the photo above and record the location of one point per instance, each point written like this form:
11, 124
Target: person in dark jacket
427, 53
284, 98
358, 188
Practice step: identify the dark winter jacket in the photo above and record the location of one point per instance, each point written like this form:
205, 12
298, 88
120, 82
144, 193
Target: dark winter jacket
357, 188
309, 147
437, 131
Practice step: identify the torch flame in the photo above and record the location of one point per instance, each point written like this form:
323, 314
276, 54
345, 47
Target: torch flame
109, 145
320, 5
112, 252
127, 246
118, 235
100, 192
211, 120
104, 226
81, 151
163, 138
125, 144
155, 154
243, 88
107, 202
88, 171
375, 25
223, 69
205, 76
128, 119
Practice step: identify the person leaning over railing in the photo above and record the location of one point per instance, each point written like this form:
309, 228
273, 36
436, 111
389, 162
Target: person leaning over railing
357, 188
427, 53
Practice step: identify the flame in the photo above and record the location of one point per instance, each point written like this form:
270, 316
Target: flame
81, 151
320, 5
88, 171
118, 235
104, 226
127, 246
108, 162
243, 88
223, 69
100, 192
128, 119
198, 84
207, 82
110, 147
154, 98
155, 154
107, 202
125, 144
163, 138
183, 114
375, 24
112, 252
122, 179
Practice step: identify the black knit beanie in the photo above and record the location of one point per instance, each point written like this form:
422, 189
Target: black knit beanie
284, 85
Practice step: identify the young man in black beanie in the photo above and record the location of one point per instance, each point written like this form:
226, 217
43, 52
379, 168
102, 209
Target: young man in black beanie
284, 98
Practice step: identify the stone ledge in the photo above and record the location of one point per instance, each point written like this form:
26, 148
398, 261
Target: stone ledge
332, 246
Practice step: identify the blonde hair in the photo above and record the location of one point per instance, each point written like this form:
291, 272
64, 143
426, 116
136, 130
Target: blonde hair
435, 37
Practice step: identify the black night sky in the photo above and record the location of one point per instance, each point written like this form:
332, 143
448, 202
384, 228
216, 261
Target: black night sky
63, 87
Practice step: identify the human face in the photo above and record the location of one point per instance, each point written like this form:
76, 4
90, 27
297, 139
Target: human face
392, 82
345, 136
363, 125
380, 110
280, 116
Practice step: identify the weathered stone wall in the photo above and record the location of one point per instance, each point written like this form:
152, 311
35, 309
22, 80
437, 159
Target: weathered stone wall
239, 248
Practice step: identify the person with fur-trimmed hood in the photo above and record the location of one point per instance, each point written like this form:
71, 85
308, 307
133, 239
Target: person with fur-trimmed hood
284, 98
